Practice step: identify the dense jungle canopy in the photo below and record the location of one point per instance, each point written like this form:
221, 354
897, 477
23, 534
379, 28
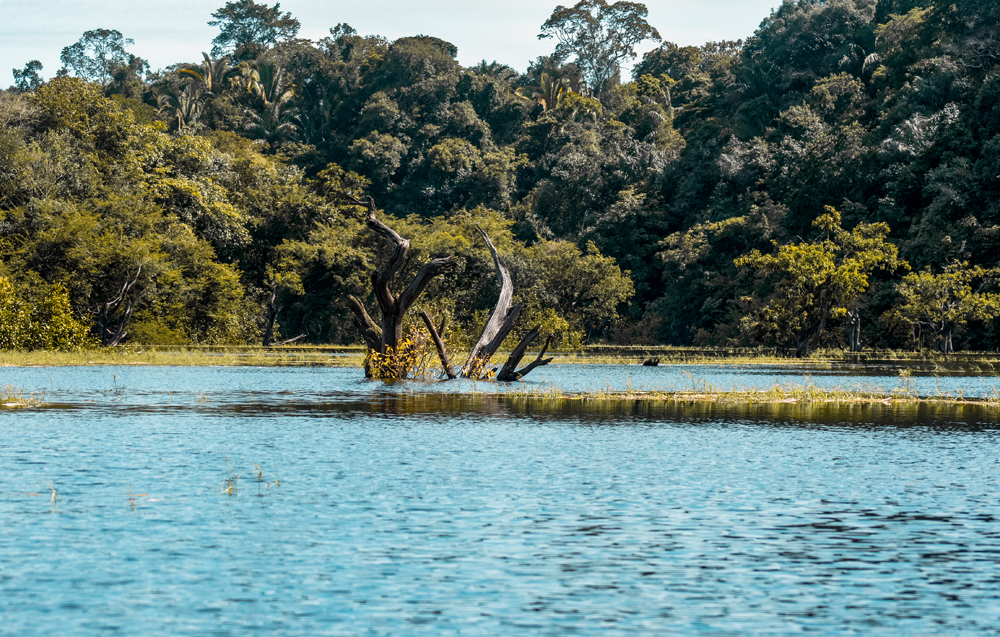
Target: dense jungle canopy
838, 170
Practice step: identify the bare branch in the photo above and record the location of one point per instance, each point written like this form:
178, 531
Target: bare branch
508, 373
439, 344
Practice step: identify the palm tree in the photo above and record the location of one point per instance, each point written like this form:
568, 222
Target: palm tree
273, 124
270, 82
186, 103
212, 75
547, 93
276, 121
494, 69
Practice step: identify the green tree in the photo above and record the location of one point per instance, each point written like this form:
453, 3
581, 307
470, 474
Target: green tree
247, 29
96, 54
36, 315
814, 282
28, 78
600, 36
185, 105
275, 120
546, 93
212, 75
946, 301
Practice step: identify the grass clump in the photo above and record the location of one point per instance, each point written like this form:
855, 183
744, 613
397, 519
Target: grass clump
13, 398
805, 393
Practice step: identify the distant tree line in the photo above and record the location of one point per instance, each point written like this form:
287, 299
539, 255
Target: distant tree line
832, 181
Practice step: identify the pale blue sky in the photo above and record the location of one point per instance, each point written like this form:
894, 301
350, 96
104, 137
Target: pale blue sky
169, 31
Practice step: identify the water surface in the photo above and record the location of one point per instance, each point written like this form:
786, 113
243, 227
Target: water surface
405, 510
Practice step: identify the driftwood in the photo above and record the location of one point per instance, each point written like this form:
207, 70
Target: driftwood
651, 362
288, 340
393, 307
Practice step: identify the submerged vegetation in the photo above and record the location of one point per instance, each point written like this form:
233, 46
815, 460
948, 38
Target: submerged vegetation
830, 182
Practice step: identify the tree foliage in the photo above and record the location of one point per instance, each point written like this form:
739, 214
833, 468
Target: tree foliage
599, 35
28, 78
814, 282
943, 302
138, 192
247, 29
97, 54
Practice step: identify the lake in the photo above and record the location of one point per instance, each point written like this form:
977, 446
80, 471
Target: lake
308, 501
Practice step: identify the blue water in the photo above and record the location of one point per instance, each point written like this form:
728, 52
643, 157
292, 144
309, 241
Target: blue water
399, 510
172, 385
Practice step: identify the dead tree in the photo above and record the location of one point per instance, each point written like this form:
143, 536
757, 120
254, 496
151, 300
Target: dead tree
854, 330
509, 372
499, 325
110, 333
387, 338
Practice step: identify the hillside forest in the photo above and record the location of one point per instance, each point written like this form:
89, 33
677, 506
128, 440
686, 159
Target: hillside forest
832, 181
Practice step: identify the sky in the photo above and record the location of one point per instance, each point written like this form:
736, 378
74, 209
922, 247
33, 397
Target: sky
171, 31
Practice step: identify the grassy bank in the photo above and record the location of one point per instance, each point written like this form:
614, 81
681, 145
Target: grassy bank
192, 357
977, 363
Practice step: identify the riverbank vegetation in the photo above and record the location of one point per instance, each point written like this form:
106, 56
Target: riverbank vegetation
830, 182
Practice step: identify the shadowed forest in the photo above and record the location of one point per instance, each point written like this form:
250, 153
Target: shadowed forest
833, 180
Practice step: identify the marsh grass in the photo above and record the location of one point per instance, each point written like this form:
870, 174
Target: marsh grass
926, 362
806, 392
190, 357
14, 398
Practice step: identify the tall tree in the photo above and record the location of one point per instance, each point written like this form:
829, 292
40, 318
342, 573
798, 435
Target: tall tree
28, 78
600, 35
97, 54
247, 29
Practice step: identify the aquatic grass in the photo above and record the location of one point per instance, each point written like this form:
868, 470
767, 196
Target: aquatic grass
230, 482
131, 495
793, 393
259, 478
14, 398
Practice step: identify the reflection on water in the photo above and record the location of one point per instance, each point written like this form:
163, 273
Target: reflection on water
362, 508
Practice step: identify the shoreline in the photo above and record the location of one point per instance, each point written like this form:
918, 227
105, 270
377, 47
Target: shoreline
353, 356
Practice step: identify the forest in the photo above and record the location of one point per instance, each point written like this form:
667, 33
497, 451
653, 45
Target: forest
831, 181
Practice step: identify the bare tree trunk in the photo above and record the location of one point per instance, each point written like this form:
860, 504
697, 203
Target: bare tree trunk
371, 332
393, 308
500, 323
946, 344
272, 315
854, 331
